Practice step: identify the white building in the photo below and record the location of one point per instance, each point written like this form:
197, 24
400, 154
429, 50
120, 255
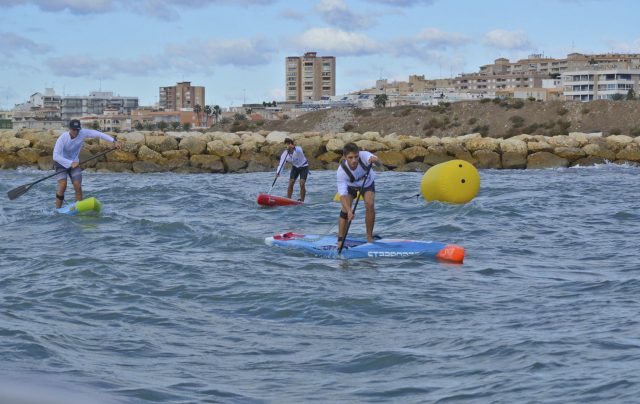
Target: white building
600, 83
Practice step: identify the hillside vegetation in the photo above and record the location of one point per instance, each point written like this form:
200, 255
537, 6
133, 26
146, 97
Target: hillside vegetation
490, 117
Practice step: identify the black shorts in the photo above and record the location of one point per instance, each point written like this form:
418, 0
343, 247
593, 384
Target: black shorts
353, 191
301, 171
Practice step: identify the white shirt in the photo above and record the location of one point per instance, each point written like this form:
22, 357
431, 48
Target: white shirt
344, 181
296, 158
67, 150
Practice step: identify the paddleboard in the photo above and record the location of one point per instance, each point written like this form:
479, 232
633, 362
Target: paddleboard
272, 200
326, 246
84, 207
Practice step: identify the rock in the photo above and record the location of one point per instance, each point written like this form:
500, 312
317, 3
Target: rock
535, 147
232, 164
588, 161
137, 138
146, 167
600, 149
371, 146
45, 162
220, 148
415, 153
230, 139
115, 167
545, 160
335, 145
436, 155
392, 158
255, 167
161, 143
208, 162
329, 157
514, 146
414, 166
277, 137
630, 153
193, 144
30, 155
146, 154
176, 154
483, 143
13, 144
487, 159
562, 141
569, 153
312, 146
514, 160
121, 156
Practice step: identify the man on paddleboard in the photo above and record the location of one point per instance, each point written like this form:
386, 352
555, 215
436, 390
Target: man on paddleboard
354, 175
299, 167
66, 155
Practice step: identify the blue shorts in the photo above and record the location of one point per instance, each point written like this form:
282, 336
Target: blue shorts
75, 173
301, 171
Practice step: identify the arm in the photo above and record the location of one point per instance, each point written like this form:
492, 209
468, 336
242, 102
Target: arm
57, 153
345, 200
283, 158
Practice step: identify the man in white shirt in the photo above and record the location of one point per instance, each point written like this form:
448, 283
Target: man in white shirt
66, 157
353, 174
299, 167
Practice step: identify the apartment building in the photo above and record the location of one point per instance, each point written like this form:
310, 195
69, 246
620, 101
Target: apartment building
310, 77
95, 104
601, 82
490, 83
181, 97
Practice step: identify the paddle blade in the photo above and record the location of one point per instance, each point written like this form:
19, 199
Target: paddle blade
17, 192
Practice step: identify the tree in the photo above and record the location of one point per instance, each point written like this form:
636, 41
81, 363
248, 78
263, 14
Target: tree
631, 95
162, 125
208, 111
175, 125
198, 110
380, 100
95, 125
617, 97
217, 112
139, 125
186, 126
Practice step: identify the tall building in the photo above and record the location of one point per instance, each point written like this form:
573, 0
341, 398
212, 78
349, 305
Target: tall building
95, 104
310, 77
182, 96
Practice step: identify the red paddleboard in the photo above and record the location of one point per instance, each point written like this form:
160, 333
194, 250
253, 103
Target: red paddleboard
272, 200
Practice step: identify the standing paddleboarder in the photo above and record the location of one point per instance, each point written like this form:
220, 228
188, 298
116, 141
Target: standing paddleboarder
299, 167
66, 157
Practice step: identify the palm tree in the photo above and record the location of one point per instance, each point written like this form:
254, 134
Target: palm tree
207, 112
217, 112
198, 110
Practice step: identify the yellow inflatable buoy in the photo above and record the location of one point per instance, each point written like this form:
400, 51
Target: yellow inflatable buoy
454, 181
337, 197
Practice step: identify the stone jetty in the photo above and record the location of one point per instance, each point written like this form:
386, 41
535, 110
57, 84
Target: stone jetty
223, 152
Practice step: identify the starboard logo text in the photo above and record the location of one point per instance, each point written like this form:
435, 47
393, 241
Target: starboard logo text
392, 253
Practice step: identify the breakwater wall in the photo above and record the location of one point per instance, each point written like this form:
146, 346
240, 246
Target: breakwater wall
223, 152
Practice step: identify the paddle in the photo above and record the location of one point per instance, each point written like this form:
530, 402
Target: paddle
22, 189
364, 181
277, 174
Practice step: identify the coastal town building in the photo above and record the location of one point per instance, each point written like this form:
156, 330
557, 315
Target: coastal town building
147, 116
309, 77
601, 82
181, 97
95, 104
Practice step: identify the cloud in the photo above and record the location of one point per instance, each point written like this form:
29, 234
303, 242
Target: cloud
621, 46
403, 3
436, 38
337, 42
511, 40
11, 44
164, 9
336, 13
236, 52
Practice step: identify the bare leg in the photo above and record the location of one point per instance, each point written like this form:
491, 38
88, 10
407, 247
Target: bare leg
78, 188
370, 217
62, 186
342, 225
290, 188
303, 189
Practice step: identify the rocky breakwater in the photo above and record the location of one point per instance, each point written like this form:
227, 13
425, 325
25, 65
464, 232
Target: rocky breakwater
222, 152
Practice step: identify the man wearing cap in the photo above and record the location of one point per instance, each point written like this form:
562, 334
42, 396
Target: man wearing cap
66, 157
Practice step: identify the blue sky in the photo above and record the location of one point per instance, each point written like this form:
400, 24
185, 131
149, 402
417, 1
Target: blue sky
236, 48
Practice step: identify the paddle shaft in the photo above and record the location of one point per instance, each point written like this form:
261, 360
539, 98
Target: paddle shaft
21, 190
277, 174
346, 230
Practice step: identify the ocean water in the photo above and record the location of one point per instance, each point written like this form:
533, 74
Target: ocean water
172, 296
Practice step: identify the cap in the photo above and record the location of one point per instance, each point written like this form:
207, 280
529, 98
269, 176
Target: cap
74, 124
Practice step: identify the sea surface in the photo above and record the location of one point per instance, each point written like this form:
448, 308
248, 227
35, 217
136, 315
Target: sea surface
172, 296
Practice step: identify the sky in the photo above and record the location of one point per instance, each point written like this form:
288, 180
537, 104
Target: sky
236, 48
